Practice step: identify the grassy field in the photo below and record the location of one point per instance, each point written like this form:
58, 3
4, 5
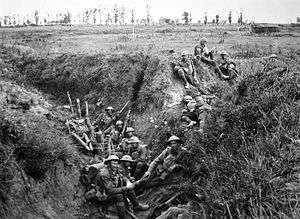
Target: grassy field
153, 40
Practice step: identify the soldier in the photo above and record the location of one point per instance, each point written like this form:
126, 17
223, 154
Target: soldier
273, 64
106, 119
123, 147
201, 52
118, 187
115, 132
184, 69
163, 166
186, 100
127, 165
103, 122
228, 71
191, 115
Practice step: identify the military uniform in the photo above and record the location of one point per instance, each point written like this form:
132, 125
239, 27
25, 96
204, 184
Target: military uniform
114, 183
203, 54
138, 152
104, 121
161, 168
273, 64
184, 64
228, 69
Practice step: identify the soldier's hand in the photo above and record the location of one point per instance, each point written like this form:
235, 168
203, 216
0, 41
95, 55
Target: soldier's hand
130, 185
146, 175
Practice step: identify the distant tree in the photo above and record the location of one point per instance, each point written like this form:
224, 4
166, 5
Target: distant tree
298, 19
240, 19
36, 17
67, 18
205, 18
95, 15
148, 18
132, 16
213, 21
122, 15
185, 18
116, 14
190, 15
108, 19
230, 17
217, 19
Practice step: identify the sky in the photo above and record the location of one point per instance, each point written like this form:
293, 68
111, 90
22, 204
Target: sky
272, 11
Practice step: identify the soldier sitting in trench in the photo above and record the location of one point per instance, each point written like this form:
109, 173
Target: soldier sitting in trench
190, 116
115, 133
202, 53
138, 152
164, 167
183, 68
118, 188
228, 71
103, 122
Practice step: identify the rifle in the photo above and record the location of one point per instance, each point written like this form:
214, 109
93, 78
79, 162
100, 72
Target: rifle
80, 141
125, 122
70, 102
78, 108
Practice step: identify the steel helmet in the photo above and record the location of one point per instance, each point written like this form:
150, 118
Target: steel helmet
129, 129
187, 98
173, 138
223, 52
203, 40
274, 56
183, 53
127, 158
134, 139
119, 122
109, 108
112, 158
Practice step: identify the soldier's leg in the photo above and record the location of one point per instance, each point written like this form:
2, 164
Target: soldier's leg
136, 205
181, 74
119, 201
132, 197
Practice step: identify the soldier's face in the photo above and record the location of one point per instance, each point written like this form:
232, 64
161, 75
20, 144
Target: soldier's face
109, 112
224, 57
114, 164
127, 163
173, 144
129, 134
119, 126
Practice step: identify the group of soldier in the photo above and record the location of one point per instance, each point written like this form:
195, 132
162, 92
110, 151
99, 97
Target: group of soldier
126, 167
186, 67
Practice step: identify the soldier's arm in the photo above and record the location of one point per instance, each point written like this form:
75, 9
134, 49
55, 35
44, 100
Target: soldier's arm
157, 160
109, 186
